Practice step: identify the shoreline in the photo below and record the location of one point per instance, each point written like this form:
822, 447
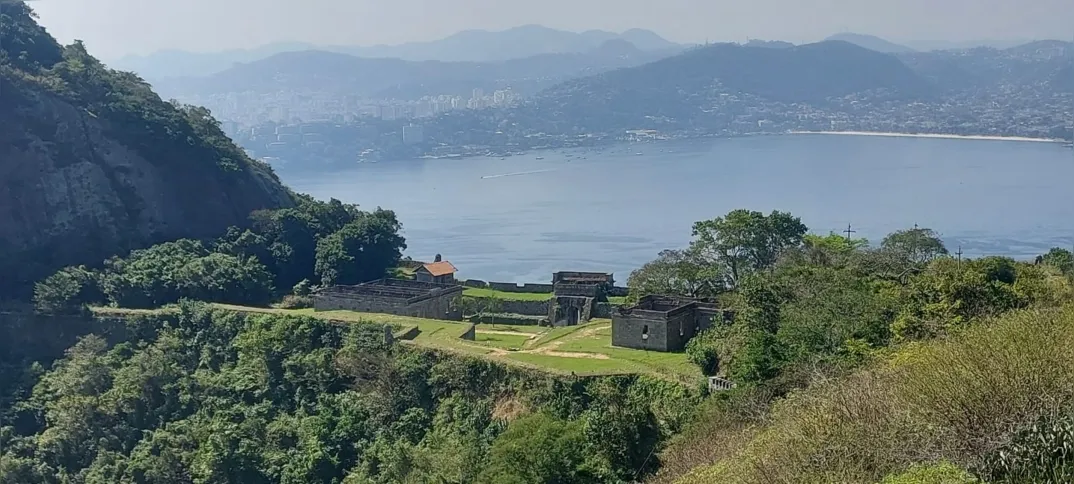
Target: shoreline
934, 136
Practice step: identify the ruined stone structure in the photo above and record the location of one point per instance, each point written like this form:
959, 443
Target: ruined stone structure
393, 296
574, 295
660, 323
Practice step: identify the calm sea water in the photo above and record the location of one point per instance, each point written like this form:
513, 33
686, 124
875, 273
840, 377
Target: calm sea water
521, 219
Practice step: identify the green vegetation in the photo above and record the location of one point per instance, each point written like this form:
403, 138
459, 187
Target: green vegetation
327, 242
857, 364
854, 364
955, 400
583, 350
197, 394
817, 318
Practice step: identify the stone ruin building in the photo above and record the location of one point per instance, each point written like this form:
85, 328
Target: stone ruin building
393, 296
661, 323
575, 294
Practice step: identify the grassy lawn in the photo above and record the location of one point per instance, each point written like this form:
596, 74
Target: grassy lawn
582, 350
502, 341
521, 329
578, 366
509, 296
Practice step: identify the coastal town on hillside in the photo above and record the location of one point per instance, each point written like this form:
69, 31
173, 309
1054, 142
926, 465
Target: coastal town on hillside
327, 140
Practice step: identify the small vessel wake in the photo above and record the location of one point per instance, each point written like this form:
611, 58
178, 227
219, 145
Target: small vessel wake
516, 174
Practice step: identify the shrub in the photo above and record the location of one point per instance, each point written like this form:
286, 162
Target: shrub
942, 473
67, 291
1042, 453
296, 302
703, 351
302, 289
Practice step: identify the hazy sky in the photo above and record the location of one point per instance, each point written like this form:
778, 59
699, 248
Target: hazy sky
113, 28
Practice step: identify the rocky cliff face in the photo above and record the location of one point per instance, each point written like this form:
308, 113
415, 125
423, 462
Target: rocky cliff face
70, 193
93, 164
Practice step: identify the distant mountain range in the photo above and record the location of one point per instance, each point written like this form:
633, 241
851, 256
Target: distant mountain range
1046, 63
716, 81
711, 85
333, 72
930, 45
878, 44
466, 46
871, 42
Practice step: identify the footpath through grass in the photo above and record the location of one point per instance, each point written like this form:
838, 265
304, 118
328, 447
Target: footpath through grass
581, 350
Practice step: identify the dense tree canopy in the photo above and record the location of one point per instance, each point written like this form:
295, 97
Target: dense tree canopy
744, 241
363, 250
804, 300
678, 273
210, 396
244, 266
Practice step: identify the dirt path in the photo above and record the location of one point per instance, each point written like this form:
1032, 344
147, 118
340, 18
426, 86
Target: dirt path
594, 330
568, 354
549, 349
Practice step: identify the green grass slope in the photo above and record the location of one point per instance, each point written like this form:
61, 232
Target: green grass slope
974, 402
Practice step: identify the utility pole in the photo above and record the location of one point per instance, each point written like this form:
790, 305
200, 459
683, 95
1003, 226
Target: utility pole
849, 231
959, 255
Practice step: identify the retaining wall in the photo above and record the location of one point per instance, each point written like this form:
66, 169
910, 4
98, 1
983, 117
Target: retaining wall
513, 319
528, 287
439, 307
408, 333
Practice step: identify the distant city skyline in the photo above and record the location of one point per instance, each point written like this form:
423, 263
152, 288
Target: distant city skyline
116, 28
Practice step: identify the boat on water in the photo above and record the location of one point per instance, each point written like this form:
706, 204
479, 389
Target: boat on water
539, 158
637, 154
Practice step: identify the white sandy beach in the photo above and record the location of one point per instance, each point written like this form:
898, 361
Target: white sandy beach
940, 136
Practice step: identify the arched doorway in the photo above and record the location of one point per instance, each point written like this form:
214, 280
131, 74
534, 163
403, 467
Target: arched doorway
574, 315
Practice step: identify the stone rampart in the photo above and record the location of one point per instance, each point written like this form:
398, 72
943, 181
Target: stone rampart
528, 287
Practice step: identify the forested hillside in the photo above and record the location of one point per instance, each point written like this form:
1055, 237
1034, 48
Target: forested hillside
205, 396
705, 82
95, 164
860, 362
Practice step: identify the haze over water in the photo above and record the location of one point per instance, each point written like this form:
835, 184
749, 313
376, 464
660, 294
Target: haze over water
521, 219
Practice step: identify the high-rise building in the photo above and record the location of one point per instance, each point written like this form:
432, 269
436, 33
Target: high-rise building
479, 93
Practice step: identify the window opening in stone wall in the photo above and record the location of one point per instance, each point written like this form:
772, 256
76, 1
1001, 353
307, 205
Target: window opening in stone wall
645, 332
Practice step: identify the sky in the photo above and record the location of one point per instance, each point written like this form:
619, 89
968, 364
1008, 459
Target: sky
114, 28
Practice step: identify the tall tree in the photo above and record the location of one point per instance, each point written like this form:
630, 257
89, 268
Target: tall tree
678, 273
362, 250
745, 241
917, 246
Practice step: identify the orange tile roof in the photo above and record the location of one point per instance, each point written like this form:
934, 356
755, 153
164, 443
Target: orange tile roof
438, 269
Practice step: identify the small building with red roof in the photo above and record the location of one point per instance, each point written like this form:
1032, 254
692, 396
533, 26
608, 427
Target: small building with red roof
439, 272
